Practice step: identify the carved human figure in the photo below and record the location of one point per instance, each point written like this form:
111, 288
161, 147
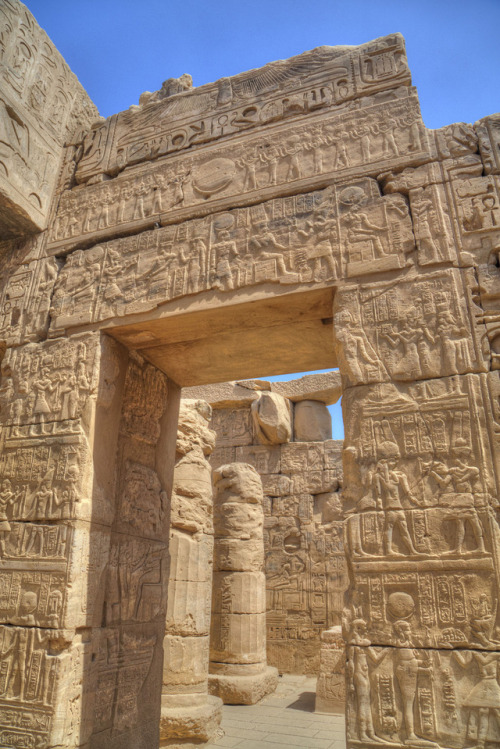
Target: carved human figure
141, 191
389, 483
362, 228
408, 337
259, 244
484, 698
456, 480
427, 228
406, 669
7, 499
292, 151
481, 621
389, 144
322, 230
354, 351
358, 665
341, 158
271, 159
454, 345
225, 252
178, 183
114, 271
42, 387
248, 162
17, 653
192, 259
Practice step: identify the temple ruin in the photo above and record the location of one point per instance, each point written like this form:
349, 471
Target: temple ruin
292, 218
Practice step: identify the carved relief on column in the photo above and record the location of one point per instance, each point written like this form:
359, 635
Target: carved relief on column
128, 661
238, 664
421, 499
189, 715
54, 539
330, 687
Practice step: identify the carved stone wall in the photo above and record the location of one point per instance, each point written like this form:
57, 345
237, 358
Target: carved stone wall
228, 229
306, 574
43, 108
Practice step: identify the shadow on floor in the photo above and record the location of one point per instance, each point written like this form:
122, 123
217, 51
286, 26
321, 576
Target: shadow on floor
305, 702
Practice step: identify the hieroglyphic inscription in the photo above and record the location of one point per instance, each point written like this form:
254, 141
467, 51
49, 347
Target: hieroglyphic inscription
317, 237
285, 160
171, 122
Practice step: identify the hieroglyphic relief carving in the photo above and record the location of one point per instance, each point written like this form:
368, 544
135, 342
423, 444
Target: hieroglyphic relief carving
36, 668
47, 388
330, 688
421, 477
317, 237
313, 81
419, 328
132, 593
211, 179
404, 695
41, 102
422, 486
25, 302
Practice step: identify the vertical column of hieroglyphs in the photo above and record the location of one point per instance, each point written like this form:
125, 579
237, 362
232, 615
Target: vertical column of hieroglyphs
53, 536
52, 548
127, 667
239, 673
416, 350
42, 105
188, 713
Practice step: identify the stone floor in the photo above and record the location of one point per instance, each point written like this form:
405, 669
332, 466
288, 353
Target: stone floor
284, 719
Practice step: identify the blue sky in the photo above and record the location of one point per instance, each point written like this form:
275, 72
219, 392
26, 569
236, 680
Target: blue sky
120, 48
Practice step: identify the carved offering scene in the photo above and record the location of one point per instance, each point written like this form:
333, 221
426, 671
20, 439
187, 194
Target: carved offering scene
180, 537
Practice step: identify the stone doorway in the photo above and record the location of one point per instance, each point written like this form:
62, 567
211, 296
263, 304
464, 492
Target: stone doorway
322, 225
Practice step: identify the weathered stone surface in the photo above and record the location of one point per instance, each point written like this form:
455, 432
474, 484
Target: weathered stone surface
305, 571
272, 419
330, 689
41, 108
325, 387
311, 422
188, 714
256, 217
238, 669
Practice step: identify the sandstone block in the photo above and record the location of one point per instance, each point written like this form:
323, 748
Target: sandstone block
272, 419
238, 689
311, 422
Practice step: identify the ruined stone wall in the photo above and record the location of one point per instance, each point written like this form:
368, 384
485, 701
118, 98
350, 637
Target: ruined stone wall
306, 574
297, 213
43, 108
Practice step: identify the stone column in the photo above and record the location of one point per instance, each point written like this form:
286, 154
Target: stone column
189, 715
330, 689
239, 673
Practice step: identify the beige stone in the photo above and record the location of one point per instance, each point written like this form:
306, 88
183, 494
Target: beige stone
324, 226
272, 419
188, 714
239, 673
330, 688
305, 572
42, 107
311, 422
